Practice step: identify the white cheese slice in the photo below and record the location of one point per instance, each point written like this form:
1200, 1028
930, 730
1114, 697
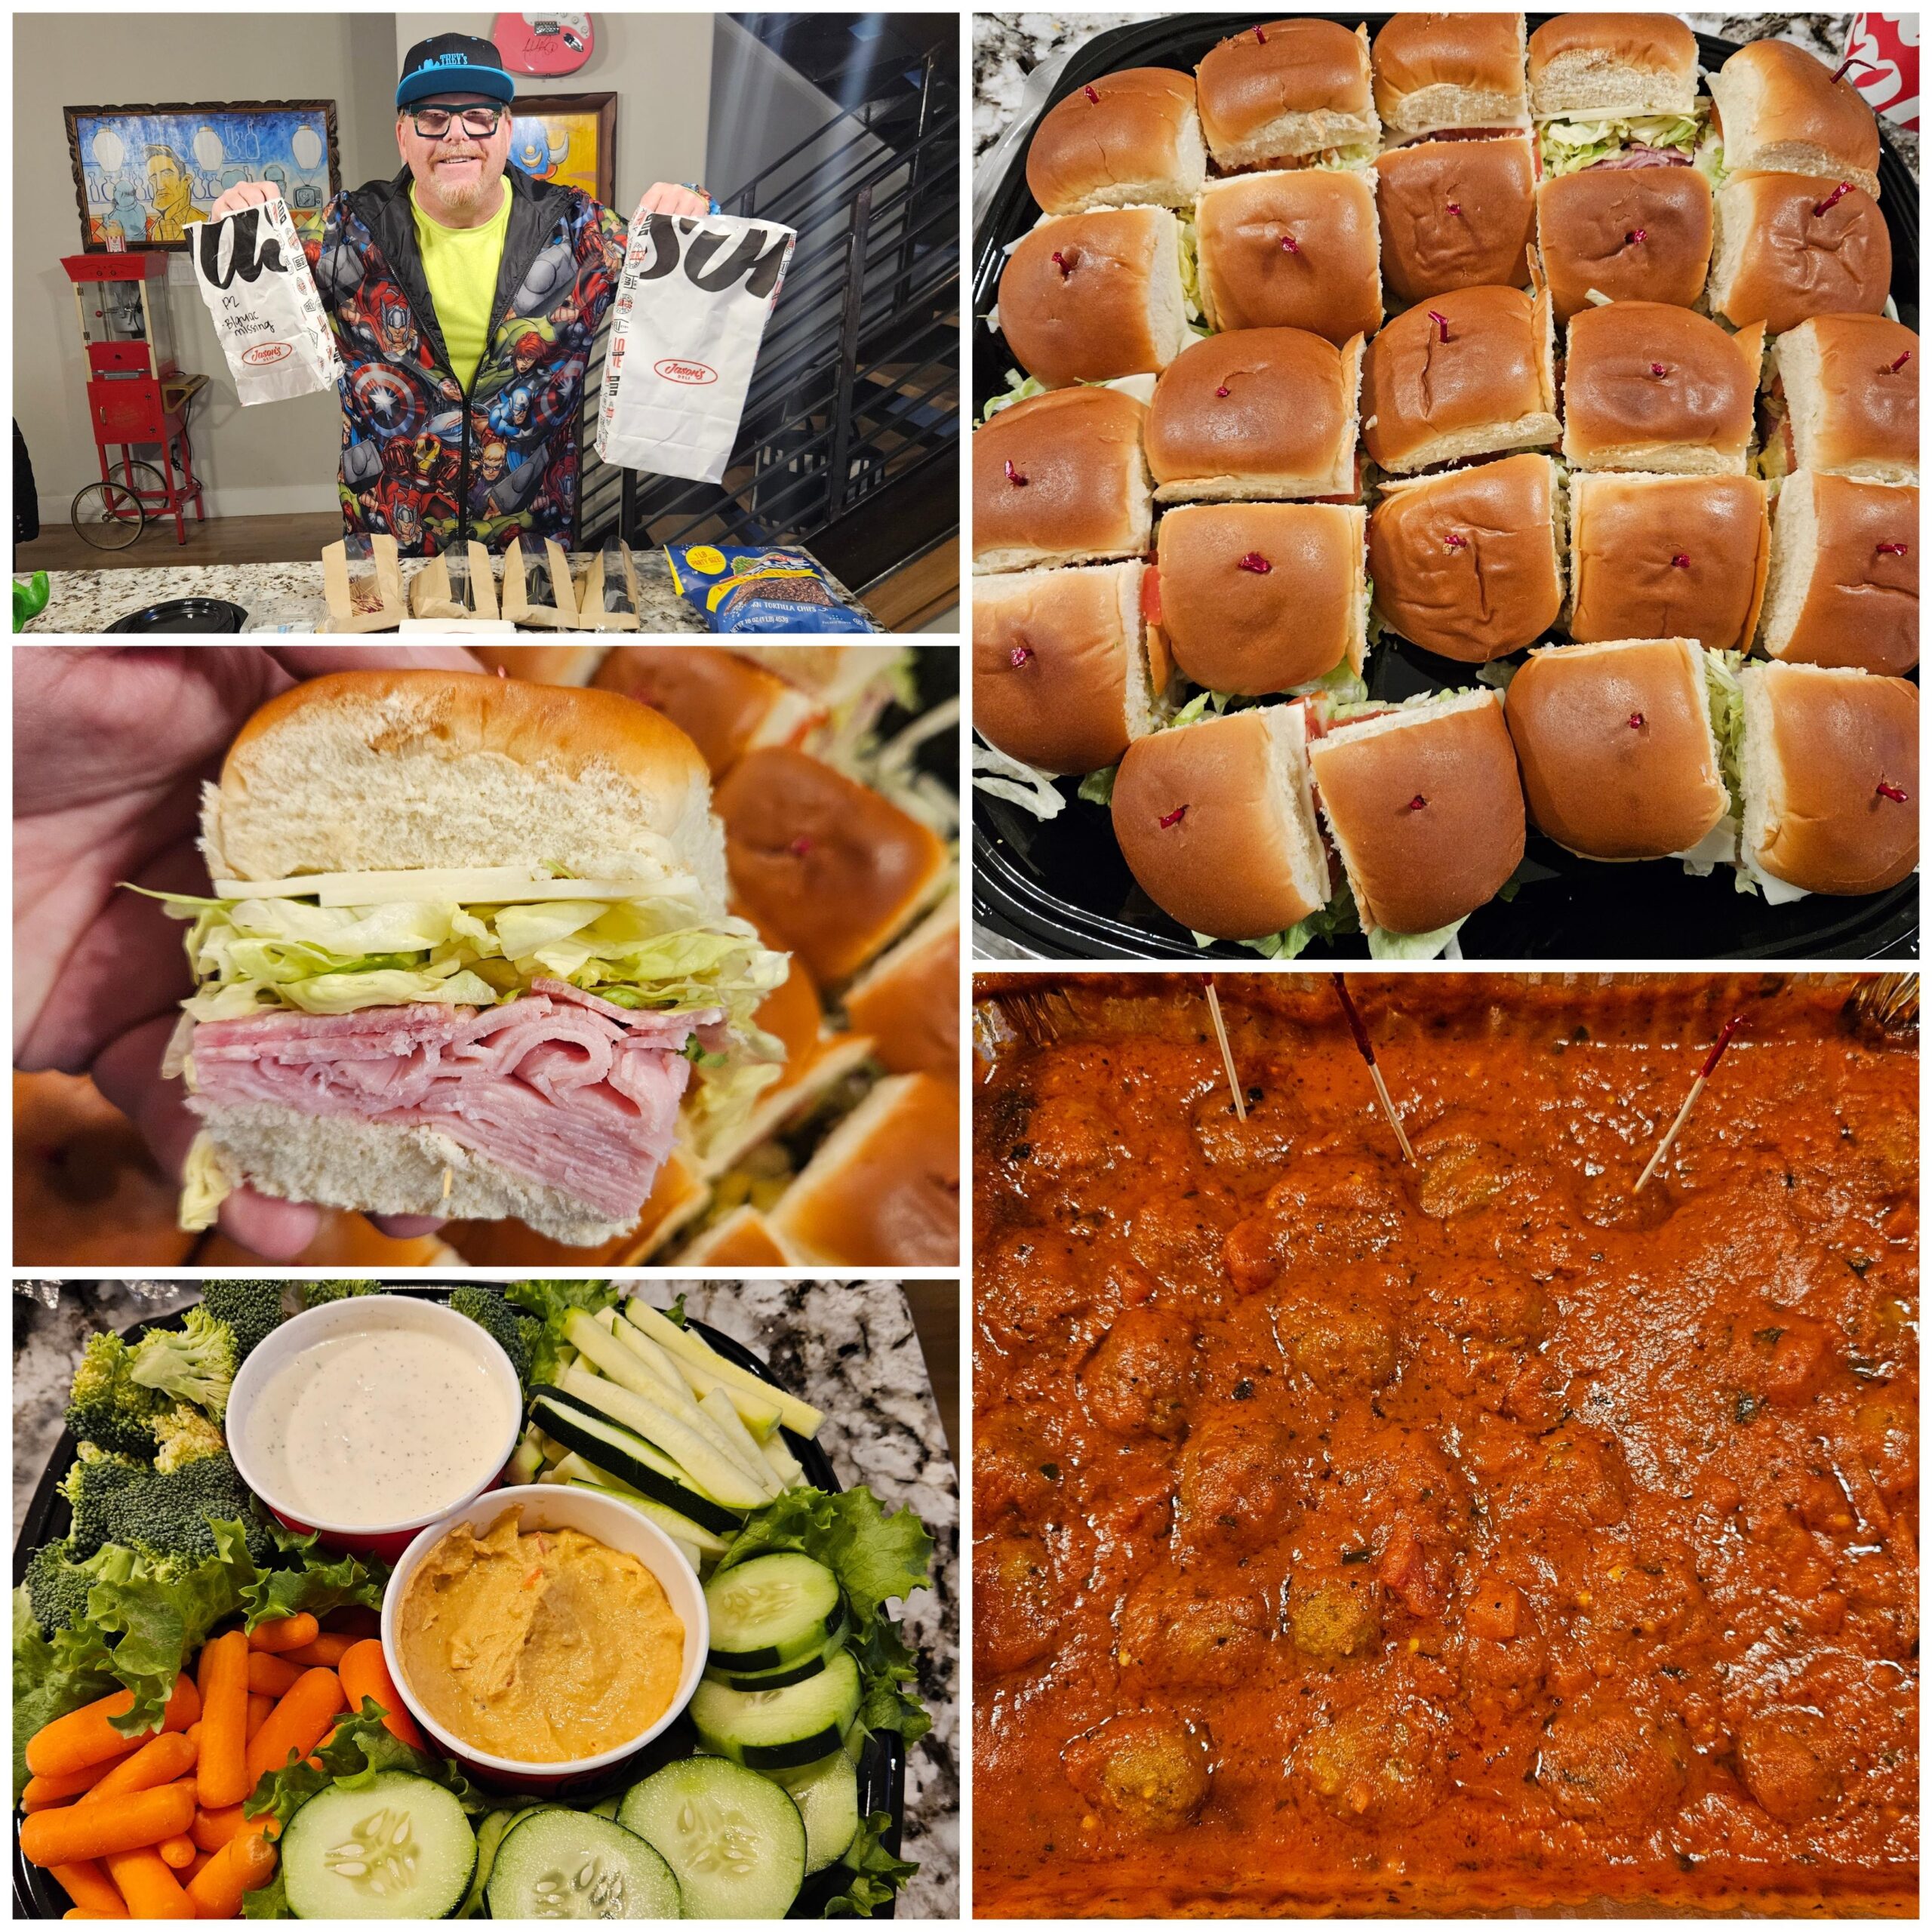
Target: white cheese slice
459, 885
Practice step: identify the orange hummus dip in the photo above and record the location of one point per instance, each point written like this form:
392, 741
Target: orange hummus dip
539, 1646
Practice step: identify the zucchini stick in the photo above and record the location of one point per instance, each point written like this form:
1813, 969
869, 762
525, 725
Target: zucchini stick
718, 1474
785, 1464
685, 1346
718, 1407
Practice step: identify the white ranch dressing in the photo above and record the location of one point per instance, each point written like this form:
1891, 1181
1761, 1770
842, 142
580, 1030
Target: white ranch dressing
387, 1425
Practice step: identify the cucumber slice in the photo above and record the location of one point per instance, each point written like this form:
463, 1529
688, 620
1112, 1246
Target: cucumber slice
775, 1730
772, 1611
631, 1460
399, 1847
560, 1864
827, 1796
734, 1839
790, 1673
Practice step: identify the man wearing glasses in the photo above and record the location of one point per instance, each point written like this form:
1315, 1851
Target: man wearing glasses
462, 279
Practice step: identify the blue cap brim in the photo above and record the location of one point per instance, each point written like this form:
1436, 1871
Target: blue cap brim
427, 81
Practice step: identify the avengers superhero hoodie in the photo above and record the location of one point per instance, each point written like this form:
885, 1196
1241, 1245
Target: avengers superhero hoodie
421, 461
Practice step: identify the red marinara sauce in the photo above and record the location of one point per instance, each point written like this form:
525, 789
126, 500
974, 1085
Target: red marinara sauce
1354, 1537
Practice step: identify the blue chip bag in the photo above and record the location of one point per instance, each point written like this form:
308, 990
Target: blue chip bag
761, 590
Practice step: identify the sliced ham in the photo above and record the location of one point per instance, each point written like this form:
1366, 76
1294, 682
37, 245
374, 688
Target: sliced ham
561, 1085
1638, 155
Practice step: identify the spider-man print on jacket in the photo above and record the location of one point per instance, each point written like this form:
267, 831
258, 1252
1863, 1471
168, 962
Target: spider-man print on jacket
421, 461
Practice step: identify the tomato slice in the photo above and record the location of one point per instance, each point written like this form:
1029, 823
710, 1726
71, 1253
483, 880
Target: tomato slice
1150, 595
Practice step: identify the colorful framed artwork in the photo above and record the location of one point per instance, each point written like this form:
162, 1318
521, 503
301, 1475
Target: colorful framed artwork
141, 174
568, 138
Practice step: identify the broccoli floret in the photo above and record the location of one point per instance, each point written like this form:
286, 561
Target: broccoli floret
517, 1333
313, 1294
169, 1512
186, 1435
107, 1407
252, 1309
57, 1586
195, 1362
91, 1487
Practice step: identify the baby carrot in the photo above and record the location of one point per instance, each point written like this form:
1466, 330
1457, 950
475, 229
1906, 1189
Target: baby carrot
244, 1863
40, 1792
80, 1912
298, 1723
222, 1774
177, 1853
151, 1889
327, 1649
284, 1633
128, 1822
89, 1887
160, 1760
200, 1865
271, 1674
260, 1704
212, 1830
365, 1673
86, 1736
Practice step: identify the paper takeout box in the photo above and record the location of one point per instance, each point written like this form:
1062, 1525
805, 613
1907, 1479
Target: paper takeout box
457, 588
607, 594
362, 585
556, 612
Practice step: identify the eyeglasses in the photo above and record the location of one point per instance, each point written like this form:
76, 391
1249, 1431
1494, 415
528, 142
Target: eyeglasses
433, 123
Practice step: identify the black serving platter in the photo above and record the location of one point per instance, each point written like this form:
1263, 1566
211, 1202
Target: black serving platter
204, 614
1060, 888
882, 1762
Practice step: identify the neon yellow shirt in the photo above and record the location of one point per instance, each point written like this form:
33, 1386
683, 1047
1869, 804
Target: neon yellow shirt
461, 265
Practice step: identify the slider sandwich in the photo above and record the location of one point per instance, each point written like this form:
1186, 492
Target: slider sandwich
1127, 139
1667, 556
1789, 247
1619, 757
1844, 400
1084, 298
1216, 823
1614, 90
467, 955
1625, 234
1296, 248
725, 704
1780, 111
1064, 672
907, 1002
1455, 215
1458, 74
1844, 586
1469, 564
1647, 385
1425, 811
1257, 413
1829, 761
1290, 94
1256, 597
1060, 478
1469, 374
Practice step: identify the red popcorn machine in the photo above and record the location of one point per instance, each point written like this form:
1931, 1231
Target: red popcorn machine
138, 398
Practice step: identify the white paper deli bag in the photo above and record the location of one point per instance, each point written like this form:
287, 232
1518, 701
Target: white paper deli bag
255, 279
691, 309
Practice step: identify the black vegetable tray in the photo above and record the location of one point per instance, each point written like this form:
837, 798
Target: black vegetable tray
881, 1763
1061, 888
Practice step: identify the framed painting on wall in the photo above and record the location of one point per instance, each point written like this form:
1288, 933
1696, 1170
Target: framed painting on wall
141, 174
568, 138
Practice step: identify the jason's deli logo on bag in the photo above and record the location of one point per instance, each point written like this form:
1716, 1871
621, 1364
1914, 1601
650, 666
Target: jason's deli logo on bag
709, 259
695, 373
263, 353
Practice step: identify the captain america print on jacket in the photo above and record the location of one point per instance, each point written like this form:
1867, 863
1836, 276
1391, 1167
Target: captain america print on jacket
420, 460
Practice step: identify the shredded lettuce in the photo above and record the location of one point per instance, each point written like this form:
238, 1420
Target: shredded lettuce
1190, 270
1708, 161
1019, 387
1198, 706
1337, 919
1097, 787
1413, 945
1019, 784
1342, 685
1725, 692
1571, 145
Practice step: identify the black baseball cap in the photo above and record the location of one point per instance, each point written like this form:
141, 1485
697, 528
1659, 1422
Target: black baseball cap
454, 63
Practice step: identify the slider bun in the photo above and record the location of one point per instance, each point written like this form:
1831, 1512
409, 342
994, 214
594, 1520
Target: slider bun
1783, 114
1286, 89
726, 703
1585, 222
1087, 495
1498, 589
1286, 427
743, 1239
379, 770
1835, 597
1647, 385
907, 1001
1853, 412
831, 867
1416, 868
1490, 387
542, 663
1599, 783
1817, 744
1111, 306
1251, 631
1449, 70
1081, 689
1780, 262
1617, 64
1626, 535
1138, 142
1329, 285
1244, 858
1426, 250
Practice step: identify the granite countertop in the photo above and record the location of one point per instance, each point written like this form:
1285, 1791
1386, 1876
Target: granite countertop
848, 1349
288, 597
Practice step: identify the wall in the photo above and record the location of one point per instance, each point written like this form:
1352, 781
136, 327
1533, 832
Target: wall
274, 457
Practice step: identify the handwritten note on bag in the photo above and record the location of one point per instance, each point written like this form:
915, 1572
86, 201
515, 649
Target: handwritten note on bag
254, 278
692, 304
